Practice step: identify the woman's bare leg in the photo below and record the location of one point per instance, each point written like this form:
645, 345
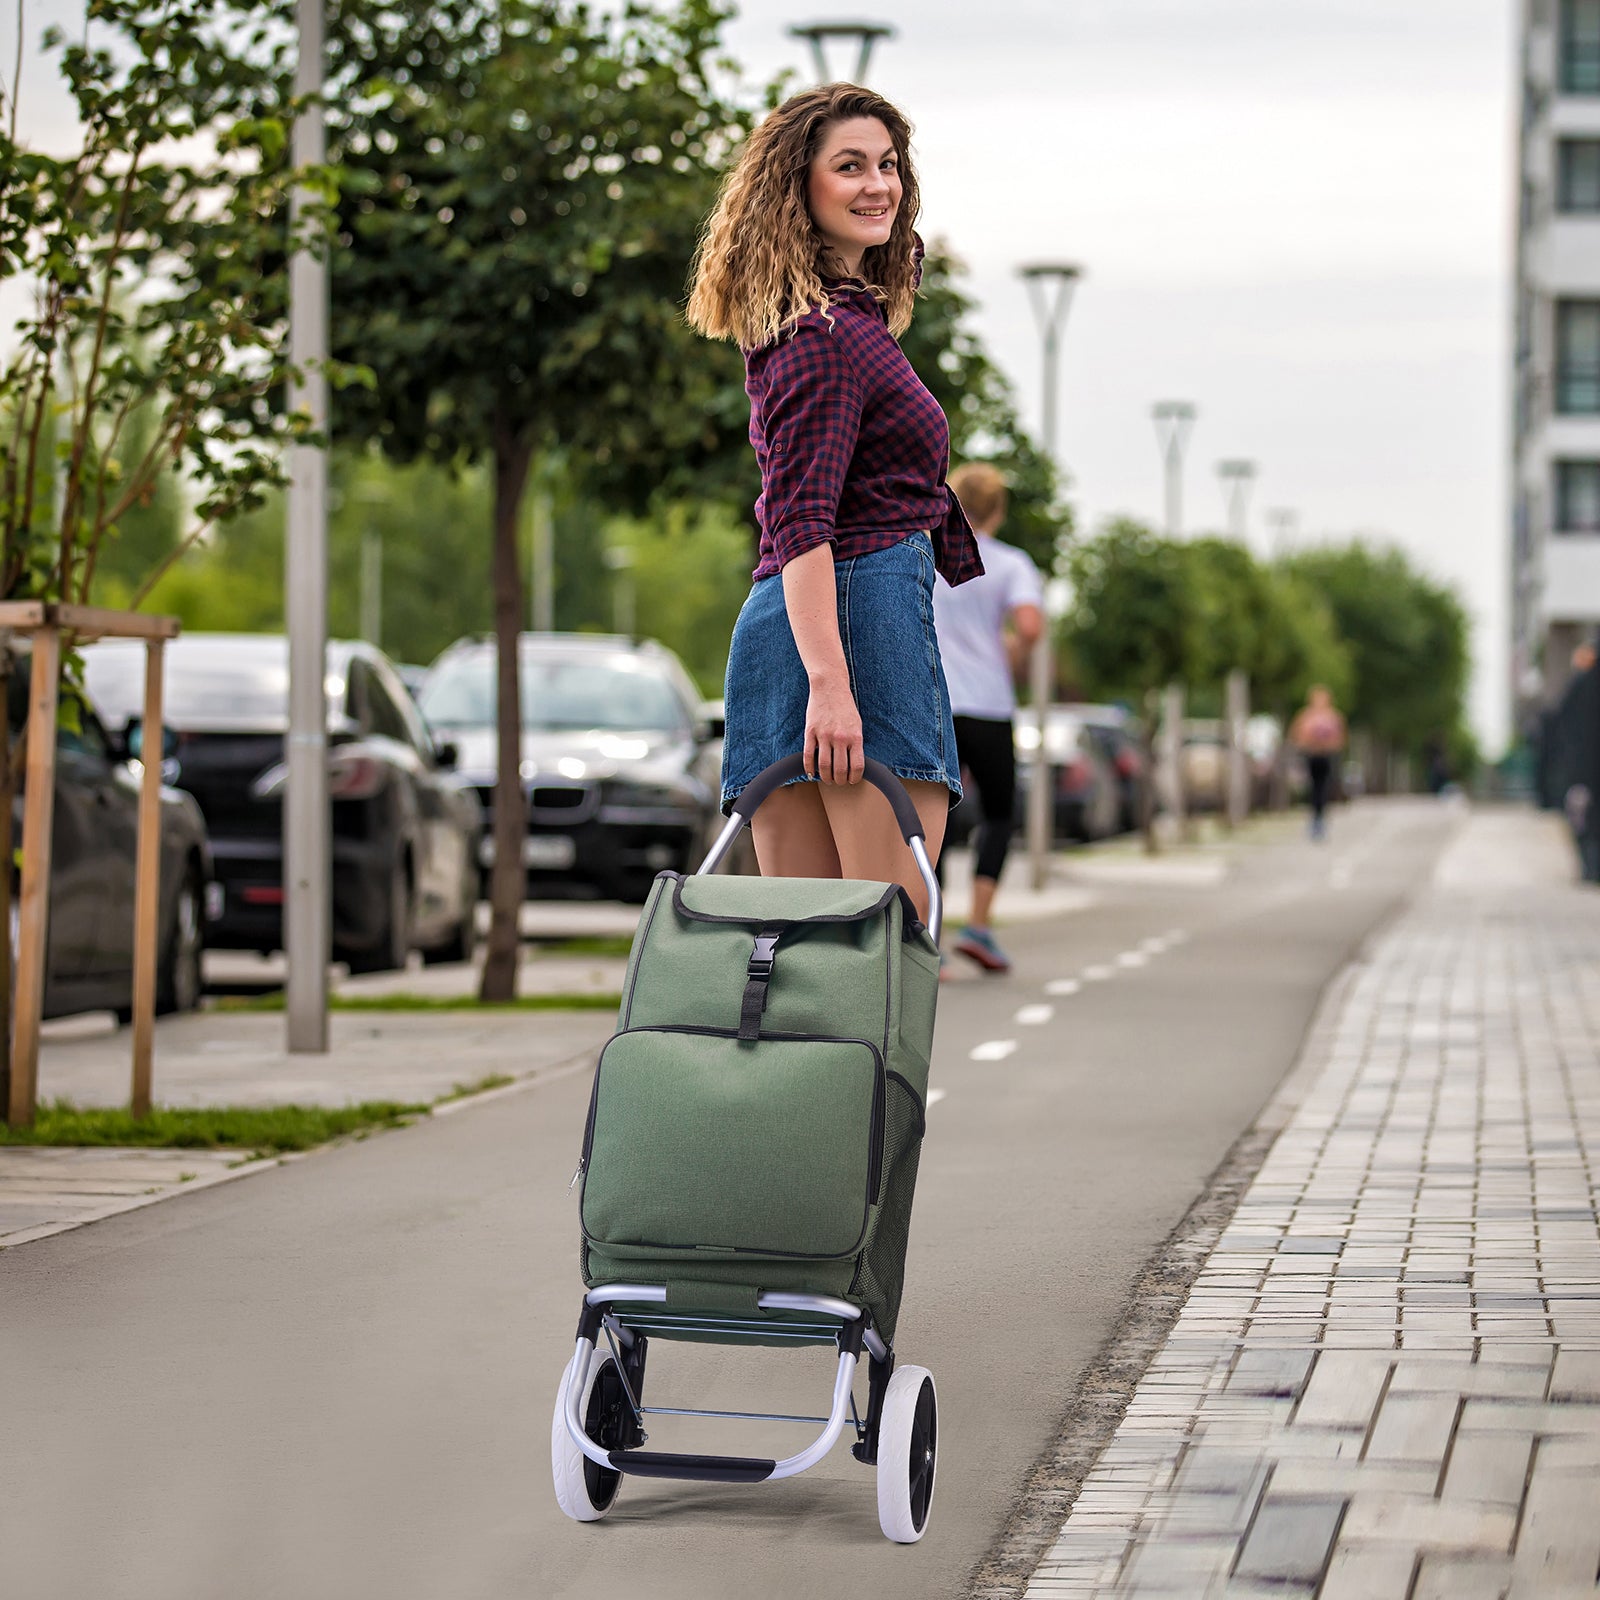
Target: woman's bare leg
867, 838
792, 836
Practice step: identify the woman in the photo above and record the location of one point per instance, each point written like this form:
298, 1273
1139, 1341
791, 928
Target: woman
810, 263
1318, 732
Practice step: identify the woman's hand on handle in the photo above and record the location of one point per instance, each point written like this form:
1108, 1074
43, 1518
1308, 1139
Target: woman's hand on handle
833, 745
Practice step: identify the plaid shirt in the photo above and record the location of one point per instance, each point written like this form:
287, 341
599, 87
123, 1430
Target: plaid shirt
852, 448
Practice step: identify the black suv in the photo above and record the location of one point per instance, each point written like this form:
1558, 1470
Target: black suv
405, 833
619, 766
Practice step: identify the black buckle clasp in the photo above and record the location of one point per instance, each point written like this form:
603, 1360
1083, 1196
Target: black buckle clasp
763, 956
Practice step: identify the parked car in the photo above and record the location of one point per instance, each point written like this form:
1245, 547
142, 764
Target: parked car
405, 832
741, 858
619, 766
1115, 735
89, 942
1087, 798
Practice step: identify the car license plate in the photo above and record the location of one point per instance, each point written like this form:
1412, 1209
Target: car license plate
548, 852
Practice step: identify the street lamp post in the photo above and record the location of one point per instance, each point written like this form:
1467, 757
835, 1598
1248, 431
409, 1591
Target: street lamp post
1173, 419
1237, 478
306, 817
865, 34
624, 603
1282, 526
1050, 286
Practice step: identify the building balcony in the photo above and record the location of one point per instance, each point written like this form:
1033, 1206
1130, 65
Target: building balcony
1570, 591
1573, 116
1566, 254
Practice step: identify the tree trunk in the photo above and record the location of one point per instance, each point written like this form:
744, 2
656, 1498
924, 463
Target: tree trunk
508, 882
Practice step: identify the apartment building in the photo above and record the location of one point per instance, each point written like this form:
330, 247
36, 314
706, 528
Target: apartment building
1555, 523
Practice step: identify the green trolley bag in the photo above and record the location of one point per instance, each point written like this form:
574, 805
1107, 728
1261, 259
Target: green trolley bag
756, 1119
748, 1164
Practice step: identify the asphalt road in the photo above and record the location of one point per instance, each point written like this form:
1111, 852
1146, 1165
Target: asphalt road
336, 1379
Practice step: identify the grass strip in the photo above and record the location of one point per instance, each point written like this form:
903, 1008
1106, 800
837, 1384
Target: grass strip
426, 1002
261, 1130
464, 1091
588, 944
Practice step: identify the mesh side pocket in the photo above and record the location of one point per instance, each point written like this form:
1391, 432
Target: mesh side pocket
881, 1275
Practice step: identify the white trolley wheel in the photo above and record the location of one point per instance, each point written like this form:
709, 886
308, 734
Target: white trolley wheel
908, 1454
584, 1489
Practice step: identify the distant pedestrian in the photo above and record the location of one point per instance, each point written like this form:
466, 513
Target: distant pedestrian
986, 629
1318, 733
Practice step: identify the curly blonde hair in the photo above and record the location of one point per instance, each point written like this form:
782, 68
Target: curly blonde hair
759, 266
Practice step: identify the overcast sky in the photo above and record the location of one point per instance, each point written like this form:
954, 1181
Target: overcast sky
1294, 213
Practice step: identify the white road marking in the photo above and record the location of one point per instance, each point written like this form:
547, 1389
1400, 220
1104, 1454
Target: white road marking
1340, 877
935, 1096
1098, 974
1154, 947
994, 1050
1033, 1016
1176, 936
1133, 958
1062, 986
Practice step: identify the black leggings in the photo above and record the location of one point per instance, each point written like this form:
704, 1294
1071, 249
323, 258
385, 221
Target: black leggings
1319, 770
986, 750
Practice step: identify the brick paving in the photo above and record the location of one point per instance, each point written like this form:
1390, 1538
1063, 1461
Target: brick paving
1385, 1381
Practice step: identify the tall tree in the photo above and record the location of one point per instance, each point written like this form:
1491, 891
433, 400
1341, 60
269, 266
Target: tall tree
1408, 637
948, 355
522, 179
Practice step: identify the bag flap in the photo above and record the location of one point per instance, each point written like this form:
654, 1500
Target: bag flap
783, 902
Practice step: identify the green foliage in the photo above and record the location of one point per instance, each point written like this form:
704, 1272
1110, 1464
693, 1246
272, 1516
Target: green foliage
1408, 640
692, 574
949, 357
523, 182
1136, 623
1389, 643
156, 334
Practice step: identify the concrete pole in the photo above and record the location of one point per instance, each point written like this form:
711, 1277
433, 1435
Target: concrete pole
307, 856
1172, 753
1238, 717
1282, 525
1050, 312
543, 586
1173, 420
372, 587
1237, 479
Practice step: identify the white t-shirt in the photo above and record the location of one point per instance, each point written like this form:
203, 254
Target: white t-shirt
969, 621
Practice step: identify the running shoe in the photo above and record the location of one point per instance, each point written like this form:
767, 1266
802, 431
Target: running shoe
978, 944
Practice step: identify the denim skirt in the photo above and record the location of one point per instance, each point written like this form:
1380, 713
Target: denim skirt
891, 650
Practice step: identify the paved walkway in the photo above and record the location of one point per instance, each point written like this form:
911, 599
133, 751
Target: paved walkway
1385, 1383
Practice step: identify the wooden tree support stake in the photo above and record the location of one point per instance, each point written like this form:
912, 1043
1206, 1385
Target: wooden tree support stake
47, 623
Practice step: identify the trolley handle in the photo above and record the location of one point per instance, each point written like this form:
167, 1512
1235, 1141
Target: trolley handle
792, 767
885, 781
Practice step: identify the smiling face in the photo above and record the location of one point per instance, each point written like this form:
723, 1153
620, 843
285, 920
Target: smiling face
854, 188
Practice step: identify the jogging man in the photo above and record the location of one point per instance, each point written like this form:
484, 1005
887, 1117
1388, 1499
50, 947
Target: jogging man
986, 629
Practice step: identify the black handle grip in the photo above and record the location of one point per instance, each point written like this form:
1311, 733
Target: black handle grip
792, 767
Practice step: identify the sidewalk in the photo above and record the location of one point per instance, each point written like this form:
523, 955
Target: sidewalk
1385, 1382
